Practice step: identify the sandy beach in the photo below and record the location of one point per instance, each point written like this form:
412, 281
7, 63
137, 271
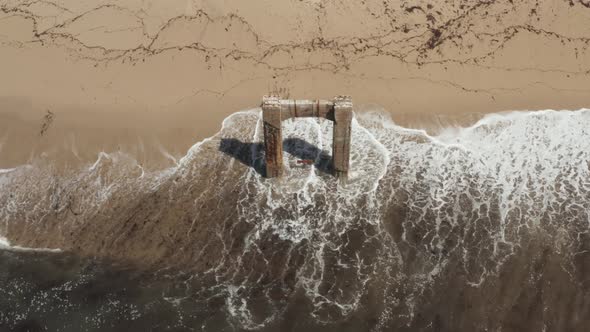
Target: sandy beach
131, 71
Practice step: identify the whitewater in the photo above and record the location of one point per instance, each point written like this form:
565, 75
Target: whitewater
426, 230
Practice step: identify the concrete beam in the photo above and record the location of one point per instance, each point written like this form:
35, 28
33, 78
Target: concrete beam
305, 108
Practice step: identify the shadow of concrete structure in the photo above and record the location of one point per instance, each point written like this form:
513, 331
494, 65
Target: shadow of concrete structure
302, 149
249, 154
252, 154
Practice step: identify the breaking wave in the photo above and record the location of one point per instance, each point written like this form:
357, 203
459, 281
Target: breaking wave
426, 228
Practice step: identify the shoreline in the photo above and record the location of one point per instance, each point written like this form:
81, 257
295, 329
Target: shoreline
154, 138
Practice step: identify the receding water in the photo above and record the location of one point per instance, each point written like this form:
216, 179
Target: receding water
474, 229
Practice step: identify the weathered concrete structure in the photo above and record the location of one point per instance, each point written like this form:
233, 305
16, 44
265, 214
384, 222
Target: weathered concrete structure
275, 110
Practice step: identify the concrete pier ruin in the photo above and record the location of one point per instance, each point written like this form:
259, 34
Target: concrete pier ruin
275, 110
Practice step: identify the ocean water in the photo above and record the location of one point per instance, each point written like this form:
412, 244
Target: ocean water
479, 228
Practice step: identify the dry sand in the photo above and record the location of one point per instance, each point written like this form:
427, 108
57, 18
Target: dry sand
122, 74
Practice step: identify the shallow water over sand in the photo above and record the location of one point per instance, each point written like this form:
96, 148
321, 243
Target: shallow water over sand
484, 227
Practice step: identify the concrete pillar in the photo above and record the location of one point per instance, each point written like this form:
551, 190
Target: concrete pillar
273, 138
341, 141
